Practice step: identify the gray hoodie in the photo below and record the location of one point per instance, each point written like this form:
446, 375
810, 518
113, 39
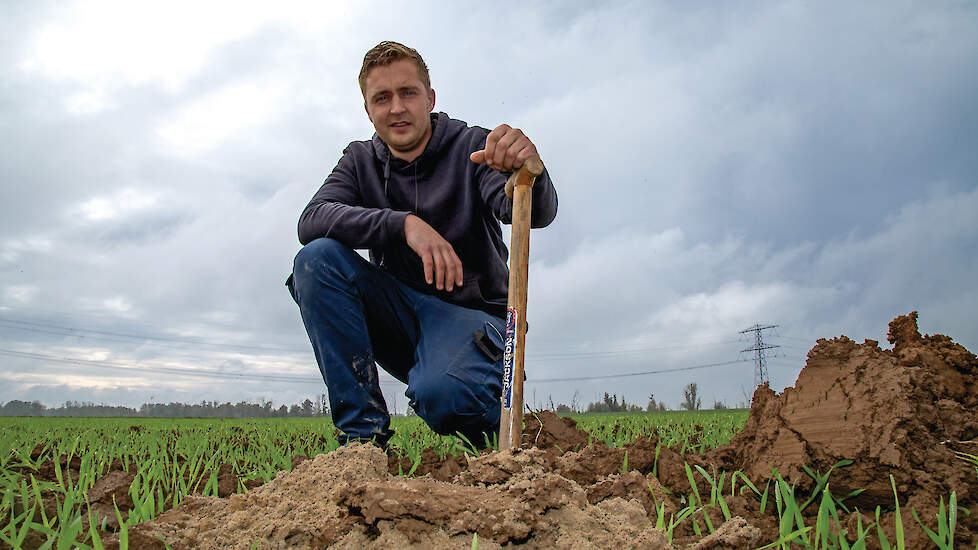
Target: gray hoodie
364, 201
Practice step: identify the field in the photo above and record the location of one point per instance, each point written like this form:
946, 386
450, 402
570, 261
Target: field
161, 461
871, 448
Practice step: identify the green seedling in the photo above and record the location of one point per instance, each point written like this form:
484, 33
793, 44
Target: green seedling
946, 522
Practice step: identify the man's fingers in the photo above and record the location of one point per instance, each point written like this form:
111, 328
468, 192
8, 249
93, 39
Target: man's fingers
506, 149
429, 267
525, 153
441, 264
503, 150
450, 268
516, 154
492, 144
453, 270
439, 270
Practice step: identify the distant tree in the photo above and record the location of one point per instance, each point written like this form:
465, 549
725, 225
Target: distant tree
690, 400
654, 405
601, 406
719, 405
610, 403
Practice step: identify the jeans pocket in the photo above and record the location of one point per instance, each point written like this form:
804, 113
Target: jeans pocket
290, 283
489, 346
479, 378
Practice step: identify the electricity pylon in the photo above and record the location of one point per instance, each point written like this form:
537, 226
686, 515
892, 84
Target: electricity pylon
760, 369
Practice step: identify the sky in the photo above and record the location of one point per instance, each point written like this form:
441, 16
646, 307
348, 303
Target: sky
809, 165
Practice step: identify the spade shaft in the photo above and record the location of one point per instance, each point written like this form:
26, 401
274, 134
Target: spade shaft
519, 187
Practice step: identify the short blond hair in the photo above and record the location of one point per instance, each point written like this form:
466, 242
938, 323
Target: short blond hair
388, 52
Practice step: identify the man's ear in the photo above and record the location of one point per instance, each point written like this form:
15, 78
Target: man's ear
431, 99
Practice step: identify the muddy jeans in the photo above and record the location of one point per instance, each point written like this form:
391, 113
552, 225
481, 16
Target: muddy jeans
358, 316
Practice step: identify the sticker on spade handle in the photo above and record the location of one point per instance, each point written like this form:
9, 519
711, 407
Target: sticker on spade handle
511, 318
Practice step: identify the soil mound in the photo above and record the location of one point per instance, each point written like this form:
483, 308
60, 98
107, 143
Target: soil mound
901, 412
347, 499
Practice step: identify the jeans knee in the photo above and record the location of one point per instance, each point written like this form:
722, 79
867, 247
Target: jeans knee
319, 251
319, 258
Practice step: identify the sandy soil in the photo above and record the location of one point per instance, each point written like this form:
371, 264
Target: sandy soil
900, 412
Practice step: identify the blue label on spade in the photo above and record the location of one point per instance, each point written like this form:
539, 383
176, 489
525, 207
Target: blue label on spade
508, 358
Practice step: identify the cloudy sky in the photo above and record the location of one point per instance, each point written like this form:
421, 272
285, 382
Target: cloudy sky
810, 165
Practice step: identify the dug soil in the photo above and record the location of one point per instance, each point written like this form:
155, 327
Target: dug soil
908, 413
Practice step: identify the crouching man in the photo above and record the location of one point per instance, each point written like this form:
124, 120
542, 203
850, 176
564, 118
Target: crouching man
426, 196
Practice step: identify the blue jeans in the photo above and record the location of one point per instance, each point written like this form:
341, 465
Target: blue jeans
358, 316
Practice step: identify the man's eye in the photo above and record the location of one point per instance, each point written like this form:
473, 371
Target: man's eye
410, 92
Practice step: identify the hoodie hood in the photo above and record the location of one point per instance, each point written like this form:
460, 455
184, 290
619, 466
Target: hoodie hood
444, 130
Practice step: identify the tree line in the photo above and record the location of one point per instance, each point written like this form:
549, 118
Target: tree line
307, 408
205, 409
610, 403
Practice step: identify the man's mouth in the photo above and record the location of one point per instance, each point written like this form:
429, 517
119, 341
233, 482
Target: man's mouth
400, 124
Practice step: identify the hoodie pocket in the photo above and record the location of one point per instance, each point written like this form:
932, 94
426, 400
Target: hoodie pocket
468, 295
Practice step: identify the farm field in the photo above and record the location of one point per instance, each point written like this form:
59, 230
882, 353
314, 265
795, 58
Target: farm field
871, 448
150, 465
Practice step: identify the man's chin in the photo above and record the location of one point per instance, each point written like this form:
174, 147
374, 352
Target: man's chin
402, 146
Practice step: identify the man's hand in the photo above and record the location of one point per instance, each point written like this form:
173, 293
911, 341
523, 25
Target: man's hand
441, 265
506, 149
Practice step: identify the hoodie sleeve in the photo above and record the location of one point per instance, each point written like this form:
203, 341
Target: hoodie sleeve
337, 211
492, 186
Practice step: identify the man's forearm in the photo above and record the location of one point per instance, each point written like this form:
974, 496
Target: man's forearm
544, 207
355, 226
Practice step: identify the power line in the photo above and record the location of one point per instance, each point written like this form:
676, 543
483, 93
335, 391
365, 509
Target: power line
75, 333
794, 347
193, 341
785, 360
644, 373
168, 370
164, 341
159, 370
583, 341
613, 353
302, 379
796, 338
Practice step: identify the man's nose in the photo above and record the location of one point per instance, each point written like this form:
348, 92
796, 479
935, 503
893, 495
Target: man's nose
397, 105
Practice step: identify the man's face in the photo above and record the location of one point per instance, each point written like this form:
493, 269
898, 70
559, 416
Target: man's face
398, 105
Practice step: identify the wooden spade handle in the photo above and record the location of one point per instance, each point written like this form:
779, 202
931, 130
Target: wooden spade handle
519, 186
526, 175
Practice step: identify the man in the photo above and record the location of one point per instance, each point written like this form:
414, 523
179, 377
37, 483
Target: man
425, 195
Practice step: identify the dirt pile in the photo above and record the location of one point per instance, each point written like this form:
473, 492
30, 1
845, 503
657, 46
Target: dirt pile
900, 412
347, 499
